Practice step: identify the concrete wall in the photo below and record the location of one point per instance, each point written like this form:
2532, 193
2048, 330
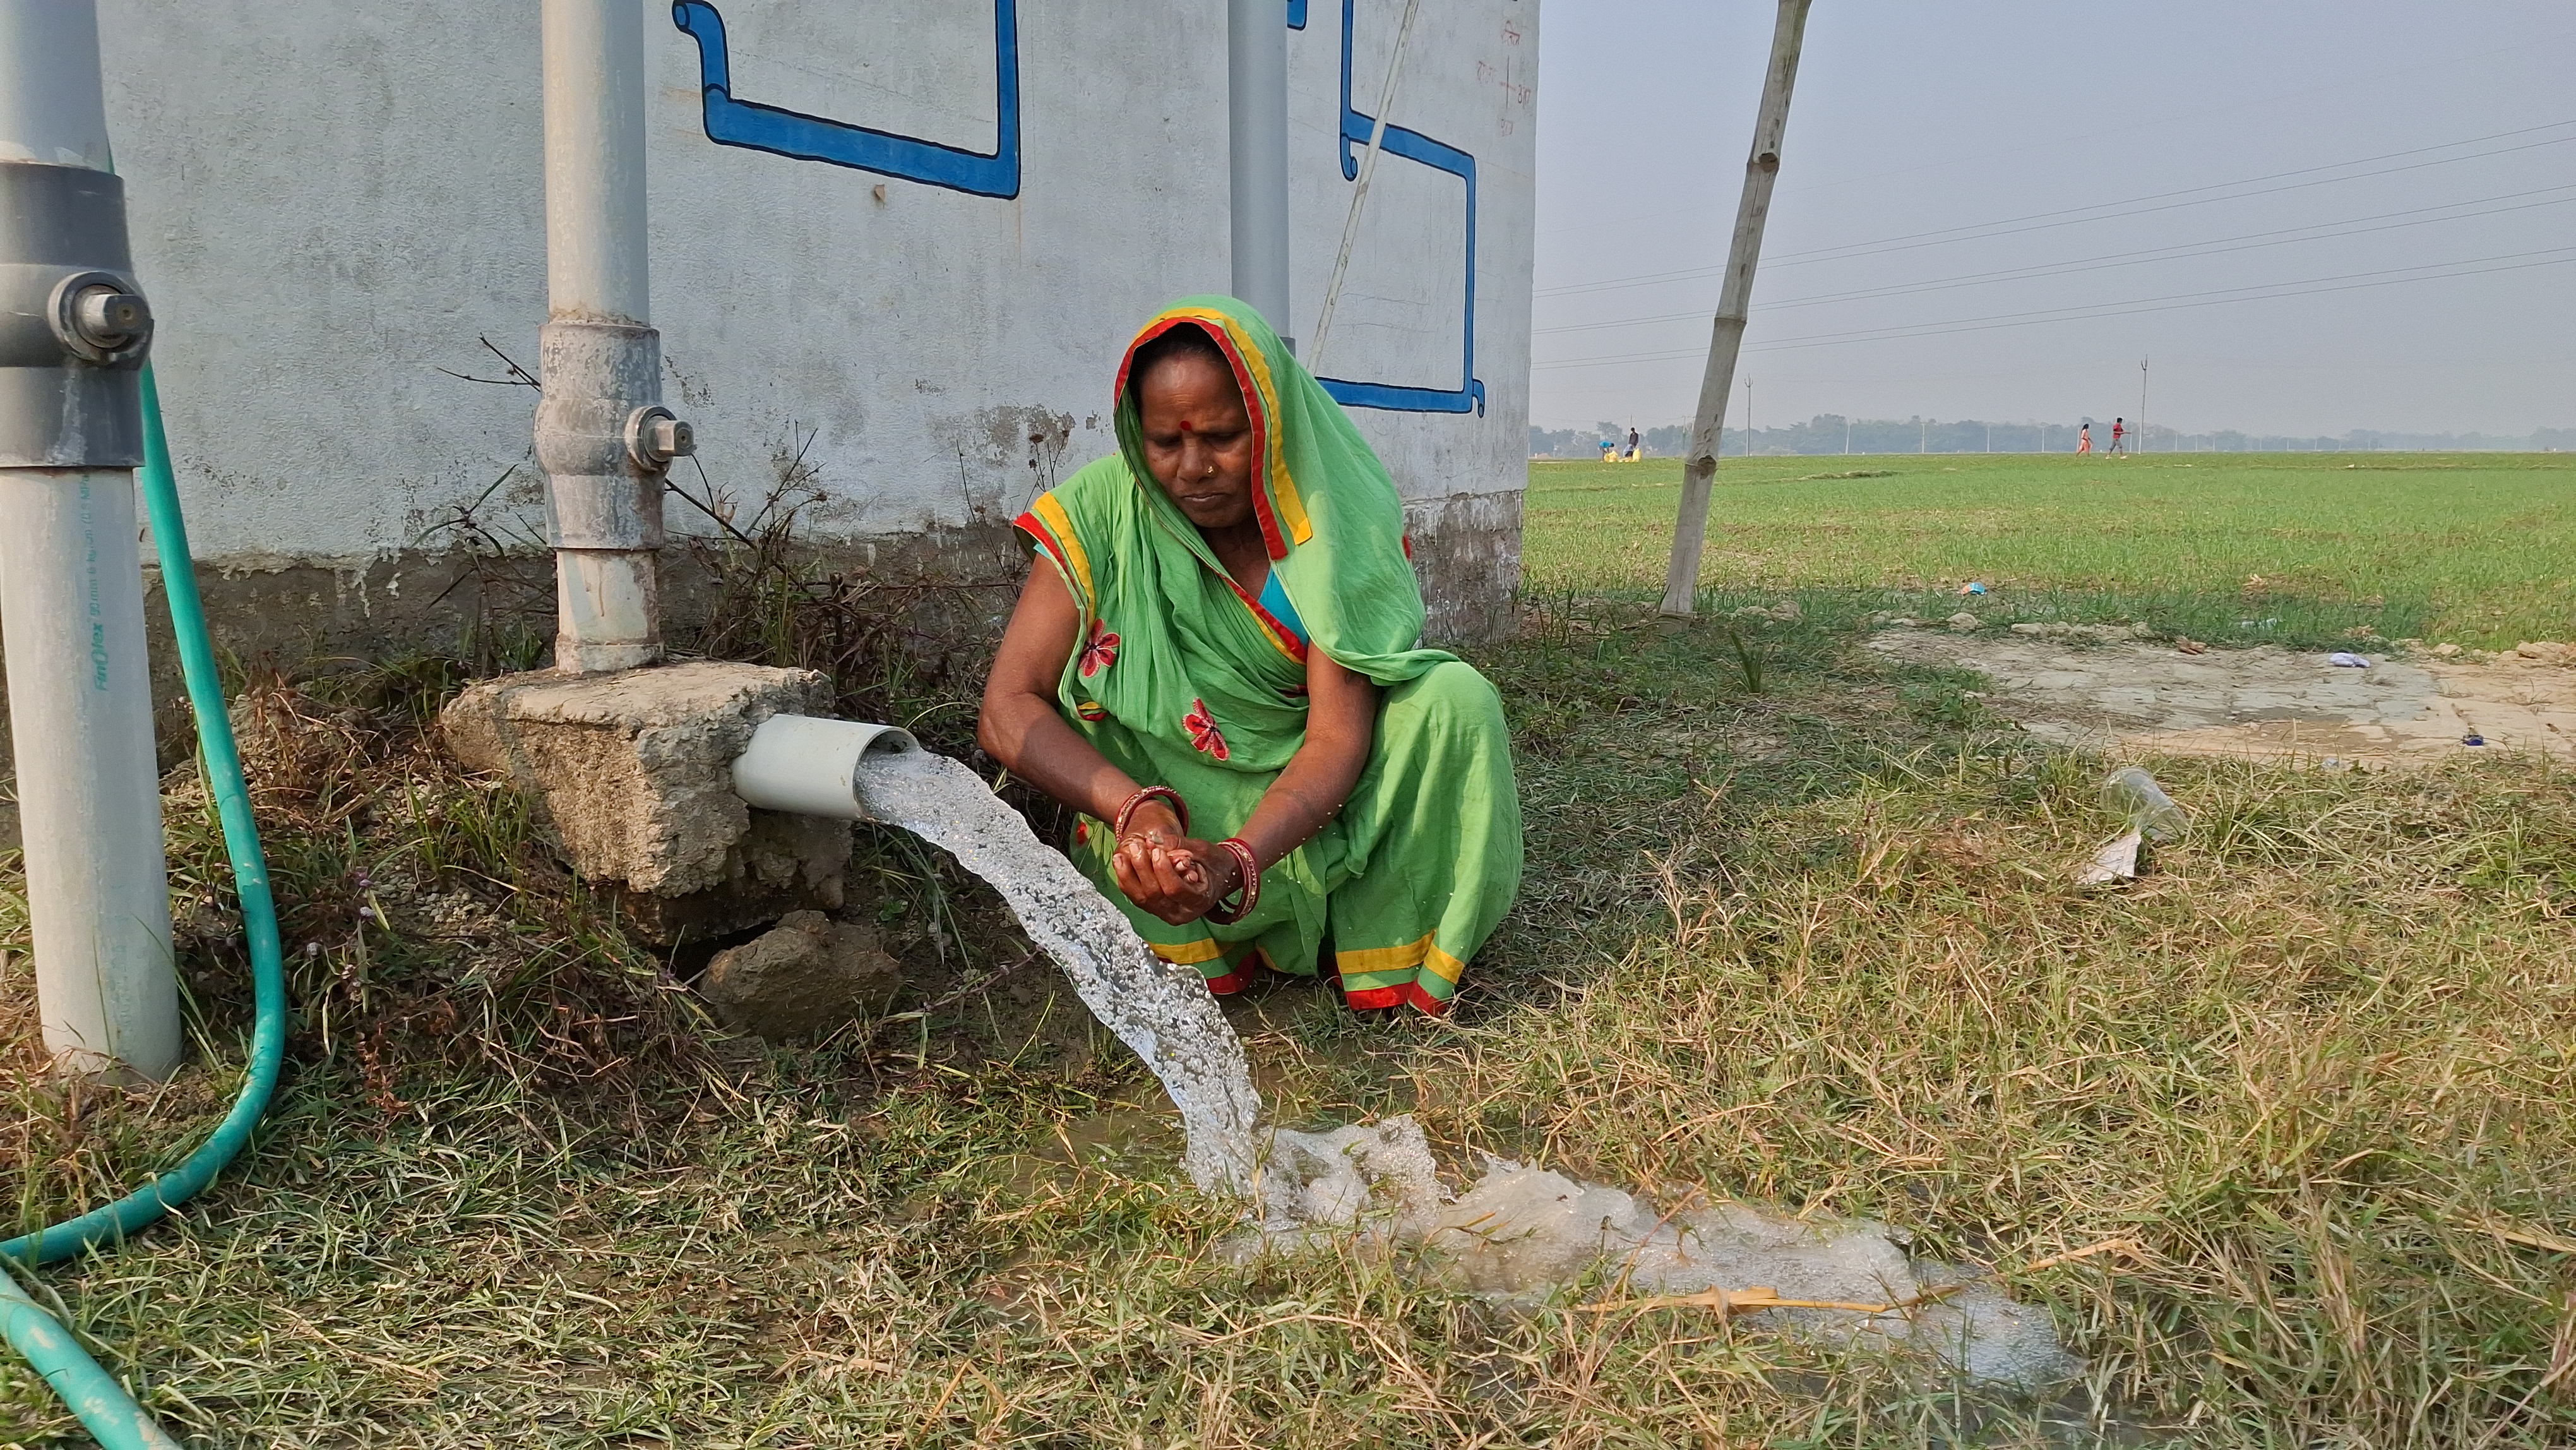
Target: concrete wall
337, 202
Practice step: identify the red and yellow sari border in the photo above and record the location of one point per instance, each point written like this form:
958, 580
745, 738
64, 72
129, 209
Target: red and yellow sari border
1224, 978
1281, 637
1417, 974
1051, 527
1276, 501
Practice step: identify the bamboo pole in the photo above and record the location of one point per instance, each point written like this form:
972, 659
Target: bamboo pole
1699, 466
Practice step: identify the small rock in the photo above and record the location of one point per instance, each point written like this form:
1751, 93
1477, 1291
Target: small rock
2544, 651
2446, 651
2190, 647
802, 980
1905, 621
1966, 623
2033, 629
1881, 618
2142, 631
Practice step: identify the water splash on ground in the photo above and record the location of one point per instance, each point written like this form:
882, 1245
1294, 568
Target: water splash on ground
1162, 1012
1523, 1235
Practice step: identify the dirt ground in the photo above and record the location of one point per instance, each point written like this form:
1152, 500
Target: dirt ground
2148, 696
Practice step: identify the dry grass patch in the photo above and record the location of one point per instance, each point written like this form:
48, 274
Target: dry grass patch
1812, 944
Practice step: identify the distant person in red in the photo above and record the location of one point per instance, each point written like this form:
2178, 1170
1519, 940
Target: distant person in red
2084, 439
2119, 430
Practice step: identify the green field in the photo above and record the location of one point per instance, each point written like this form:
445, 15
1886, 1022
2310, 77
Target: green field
2479, 549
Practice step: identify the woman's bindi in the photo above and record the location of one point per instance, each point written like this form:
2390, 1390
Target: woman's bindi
1185, 425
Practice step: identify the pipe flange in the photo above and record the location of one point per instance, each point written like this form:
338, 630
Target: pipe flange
654, 437
101, 319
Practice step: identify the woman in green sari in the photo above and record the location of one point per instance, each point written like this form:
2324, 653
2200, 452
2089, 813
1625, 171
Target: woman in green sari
1219, 671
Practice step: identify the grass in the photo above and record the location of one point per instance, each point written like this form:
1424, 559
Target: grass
2295, 548
1812, 943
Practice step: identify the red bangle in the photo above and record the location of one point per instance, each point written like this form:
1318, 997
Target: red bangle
1249, 869
1164, 793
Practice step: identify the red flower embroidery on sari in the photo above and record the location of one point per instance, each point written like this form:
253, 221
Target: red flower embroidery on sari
1203, 731
1099, 649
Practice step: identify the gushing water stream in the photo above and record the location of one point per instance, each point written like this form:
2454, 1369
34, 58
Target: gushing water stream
1520, 1234
1162, 1012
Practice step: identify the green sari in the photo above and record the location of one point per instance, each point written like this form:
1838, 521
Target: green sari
1183, 679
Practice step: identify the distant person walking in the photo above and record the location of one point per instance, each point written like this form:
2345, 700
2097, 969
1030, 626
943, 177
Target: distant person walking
1632, 445
2084, 439
2119, 431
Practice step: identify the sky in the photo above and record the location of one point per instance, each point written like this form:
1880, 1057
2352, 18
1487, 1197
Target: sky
2410, 168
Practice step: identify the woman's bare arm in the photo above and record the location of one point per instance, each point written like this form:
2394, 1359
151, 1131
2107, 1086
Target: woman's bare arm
1341, 725
1162, 870
1021, 727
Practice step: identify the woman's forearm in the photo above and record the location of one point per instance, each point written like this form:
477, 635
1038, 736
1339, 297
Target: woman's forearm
1304, 798
1034, 743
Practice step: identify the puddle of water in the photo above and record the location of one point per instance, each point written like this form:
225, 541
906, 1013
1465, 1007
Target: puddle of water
1521, 1235
1162, 1012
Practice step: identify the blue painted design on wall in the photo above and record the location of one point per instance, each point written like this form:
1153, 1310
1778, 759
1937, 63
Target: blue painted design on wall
1412, 145
734, 122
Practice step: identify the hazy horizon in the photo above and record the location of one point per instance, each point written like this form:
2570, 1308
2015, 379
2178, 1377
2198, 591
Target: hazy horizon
2392, 185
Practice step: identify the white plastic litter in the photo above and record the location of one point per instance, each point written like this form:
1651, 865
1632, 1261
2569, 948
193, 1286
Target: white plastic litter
2130, 791
2346, 659
2116, 861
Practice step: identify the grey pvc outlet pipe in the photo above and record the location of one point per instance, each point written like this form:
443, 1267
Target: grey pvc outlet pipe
810, 767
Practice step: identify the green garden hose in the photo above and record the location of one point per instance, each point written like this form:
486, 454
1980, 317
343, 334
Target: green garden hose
111, 1415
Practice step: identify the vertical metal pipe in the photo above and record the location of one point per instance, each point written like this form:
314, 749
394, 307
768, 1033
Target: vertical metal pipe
603, 438
1734, 304
73, 332
50, 107
1256, 54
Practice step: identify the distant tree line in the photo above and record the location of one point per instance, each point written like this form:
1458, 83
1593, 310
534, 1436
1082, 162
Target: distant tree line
1834, 433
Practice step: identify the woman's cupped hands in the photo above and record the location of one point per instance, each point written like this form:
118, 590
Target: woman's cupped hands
1175, 876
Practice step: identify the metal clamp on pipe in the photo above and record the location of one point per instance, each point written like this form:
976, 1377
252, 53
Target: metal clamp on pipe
74, 328
810, 767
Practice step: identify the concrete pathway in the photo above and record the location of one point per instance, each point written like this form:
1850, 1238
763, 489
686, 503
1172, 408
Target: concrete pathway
2147, 696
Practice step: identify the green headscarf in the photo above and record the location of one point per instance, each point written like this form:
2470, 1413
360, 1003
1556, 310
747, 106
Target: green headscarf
1329, 514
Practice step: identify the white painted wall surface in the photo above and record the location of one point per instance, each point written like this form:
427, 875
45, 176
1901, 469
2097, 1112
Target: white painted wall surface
334, 200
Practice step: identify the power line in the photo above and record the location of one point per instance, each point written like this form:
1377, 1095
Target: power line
2250, 241
2304, 287
2108, 211
2197, 113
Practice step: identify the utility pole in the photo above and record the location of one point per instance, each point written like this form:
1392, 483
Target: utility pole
1748, 415
1846, 436
1990, 437
2142, 405
1726, 334
1923, 435
74, 330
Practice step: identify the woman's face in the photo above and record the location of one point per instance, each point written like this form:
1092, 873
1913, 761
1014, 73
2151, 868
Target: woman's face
1198, 439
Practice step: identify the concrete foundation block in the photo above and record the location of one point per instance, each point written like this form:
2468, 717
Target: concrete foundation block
632, 774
